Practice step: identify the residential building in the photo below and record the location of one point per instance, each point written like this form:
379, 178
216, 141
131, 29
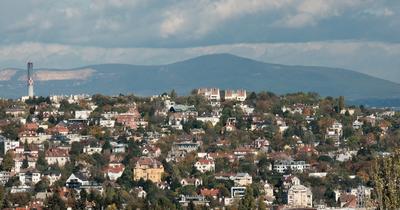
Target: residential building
205, 165
299, 196
282, 165
148, 169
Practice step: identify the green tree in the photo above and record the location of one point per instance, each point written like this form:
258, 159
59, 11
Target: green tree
55, 202
8, 161
41, 163
341, 103
25, 163
261, 204
248, 202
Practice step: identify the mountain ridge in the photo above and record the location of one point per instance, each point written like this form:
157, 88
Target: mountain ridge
214, 70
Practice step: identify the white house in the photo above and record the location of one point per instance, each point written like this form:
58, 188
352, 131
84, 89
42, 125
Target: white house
114, 171
29, 177
9, 144
107, 123
83, 114
205, 165
282, 165
91, 150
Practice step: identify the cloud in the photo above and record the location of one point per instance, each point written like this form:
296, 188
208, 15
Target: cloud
379, 12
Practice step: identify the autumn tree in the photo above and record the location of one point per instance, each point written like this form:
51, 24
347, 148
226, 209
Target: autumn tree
386, 178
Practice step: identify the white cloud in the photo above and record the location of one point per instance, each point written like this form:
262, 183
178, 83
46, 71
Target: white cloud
172, 24
379, 12
310, 12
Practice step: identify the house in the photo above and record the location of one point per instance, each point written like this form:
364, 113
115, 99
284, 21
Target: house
19, 160
180, 149
9, 144
209, 93
114, 171
268, 190
261, 144
151, 151
82, 114
282, 165
357, 124
75, 181
213, 193
191, 181
52, 177
235, 95
57, 156
348, 201
230, 124
148, 169
299, 196
15, 111
129, 119
197, 200
118, 148
242, 179
90, 150
211, 119
107, 123
140, 193
4, 177
29, 177
60, 128
205, 165
31, 137
242, 152
335, 132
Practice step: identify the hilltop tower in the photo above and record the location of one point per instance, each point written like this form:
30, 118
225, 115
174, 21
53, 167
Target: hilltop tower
30, 79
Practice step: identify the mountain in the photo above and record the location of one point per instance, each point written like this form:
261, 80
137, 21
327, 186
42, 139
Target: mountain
216, 70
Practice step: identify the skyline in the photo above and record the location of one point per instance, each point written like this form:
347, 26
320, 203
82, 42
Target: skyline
356, 35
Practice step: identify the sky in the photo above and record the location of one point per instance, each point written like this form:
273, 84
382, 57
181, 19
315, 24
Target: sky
361, 35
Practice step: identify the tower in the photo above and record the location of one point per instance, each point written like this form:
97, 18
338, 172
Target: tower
30, 79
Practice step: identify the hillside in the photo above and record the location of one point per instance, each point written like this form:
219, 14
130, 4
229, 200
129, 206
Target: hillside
217, 70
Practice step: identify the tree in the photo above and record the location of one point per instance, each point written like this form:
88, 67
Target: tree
386, 176
55, 202
8, 161
42, 185
261, 204
341, 103
248, 202
25, 163
41, 163
173, 94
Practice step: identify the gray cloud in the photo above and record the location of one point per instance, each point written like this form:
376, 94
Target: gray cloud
71, 33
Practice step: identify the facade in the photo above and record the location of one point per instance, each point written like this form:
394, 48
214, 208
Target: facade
57, 156
282, 165
235, 95
299, 196
205, 165
148, 169
242, 179
114, 171
210, 93
10, 145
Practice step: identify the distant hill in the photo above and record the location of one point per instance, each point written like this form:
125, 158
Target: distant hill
216, 70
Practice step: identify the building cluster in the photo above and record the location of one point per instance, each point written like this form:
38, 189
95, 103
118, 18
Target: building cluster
284, 152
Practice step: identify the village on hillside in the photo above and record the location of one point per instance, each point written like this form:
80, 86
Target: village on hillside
211, 149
